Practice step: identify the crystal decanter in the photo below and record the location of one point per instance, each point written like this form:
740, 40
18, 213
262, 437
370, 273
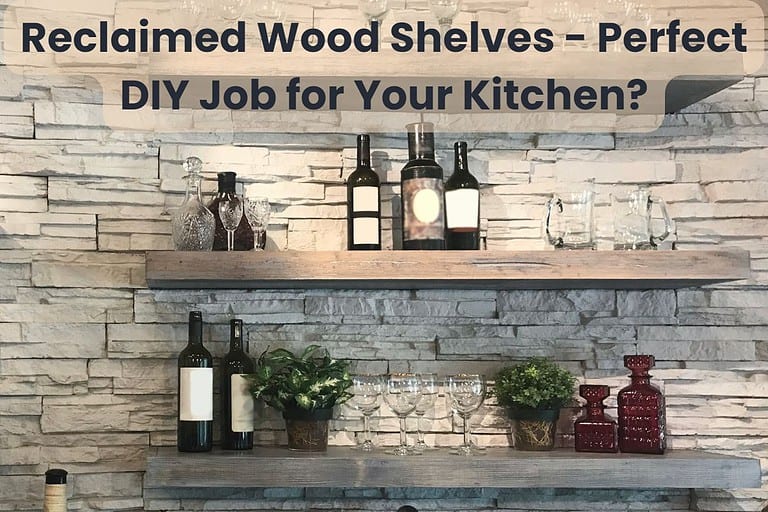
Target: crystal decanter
595, 432
193, 225
641, 410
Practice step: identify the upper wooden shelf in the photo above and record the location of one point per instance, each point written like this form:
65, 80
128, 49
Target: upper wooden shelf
499, 467
445, 269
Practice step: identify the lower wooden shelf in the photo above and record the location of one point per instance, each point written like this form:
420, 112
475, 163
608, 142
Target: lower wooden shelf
499, 468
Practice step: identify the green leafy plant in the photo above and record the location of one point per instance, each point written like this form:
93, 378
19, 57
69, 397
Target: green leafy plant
536, 383
310, 381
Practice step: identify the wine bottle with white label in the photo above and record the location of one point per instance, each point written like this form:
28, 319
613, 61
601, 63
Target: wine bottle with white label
236, 399
195, 422
423, 201
462, 205
55, 498
363, 204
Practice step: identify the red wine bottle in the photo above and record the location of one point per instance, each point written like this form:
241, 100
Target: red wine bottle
195, 421
462, 205
55, 499
236, 399
363, 203
423, 201
243, 233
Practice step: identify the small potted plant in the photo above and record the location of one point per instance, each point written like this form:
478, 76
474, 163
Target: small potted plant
305, 388
534, 391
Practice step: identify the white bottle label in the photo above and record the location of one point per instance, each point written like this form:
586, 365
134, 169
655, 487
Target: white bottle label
196, 394
365, 230
55, 498
423, 205
365, 199
242, 405
461, 208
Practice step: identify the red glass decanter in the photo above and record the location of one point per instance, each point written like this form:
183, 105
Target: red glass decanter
595, 432
641, 410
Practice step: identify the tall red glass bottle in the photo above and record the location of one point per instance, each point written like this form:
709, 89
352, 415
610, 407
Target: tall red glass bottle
641, 410
595, 432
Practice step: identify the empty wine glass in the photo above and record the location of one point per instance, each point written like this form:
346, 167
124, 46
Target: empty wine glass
374, 10
366, 391
444, 11
257, 211
429, 389
466, 394
402, 394
231, 213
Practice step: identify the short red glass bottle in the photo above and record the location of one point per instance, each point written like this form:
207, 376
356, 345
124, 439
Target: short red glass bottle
641, 410
595, 432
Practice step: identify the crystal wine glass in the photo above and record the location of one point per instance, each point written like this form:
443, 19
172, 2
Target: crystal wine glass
366, 391
231, 213
402, 394
445, 11
429, 389
374, 10
466, 394
257, 211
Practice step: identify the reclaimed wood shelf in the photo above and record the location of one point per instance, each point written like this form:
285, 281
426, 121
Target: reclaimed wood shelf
445, 269
499, 467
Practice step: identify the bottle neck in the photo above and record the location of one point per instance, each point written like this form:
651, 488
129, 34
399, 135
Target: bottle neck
595, 410
363, 151
194, 187
421, 142
460, 158
236, 336
642, 378
195, 329
227, 182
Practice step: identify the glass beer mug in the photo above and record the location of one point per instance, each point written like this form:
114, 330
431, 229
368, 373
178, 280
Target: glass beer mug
632, 219
570, 219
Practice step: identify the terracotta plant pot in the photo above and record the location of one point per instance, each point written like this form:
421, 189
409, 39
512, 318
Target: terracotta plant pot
534, 429
307, 430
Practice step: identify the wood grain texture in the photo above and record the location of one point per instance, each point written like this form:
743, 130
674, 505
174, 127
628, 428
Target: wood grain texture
499, 467
445, 269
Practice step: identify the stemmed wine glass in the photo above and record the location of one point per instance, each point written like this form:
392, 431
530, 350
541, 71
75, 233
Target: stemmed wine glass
466, 394
231, 213
257, 211
374, 10
429, 389
444, 11
366, 391
402, 394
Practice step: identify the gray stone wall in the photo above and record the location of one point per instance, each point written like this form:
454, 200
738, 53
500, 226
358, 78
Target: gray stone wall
87, 352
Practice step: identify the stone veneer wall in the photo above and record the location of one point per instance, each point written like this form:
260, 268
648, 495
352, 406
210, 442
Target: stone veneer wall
87, 352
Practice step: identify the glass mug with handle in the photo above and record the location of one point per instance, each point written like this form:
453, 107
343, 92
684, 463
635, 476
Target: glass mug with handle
570, 220
633, 220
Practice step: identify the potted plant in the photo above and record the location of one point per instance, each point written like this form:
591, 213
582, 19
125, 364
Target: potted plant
534, 391
305, 388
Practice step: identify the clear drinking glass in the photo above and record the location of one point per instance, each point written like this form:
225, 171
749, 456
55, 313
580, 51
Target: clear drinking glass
231, 213
402, 395
466, 394
429, 391
445, 11
257, 211
374, 10
569, 222
366, 392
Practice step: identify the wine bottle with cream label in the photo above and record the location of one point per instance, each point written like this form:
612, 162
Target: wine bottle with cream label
423, 201
236, 399
363, 202
195, 421
55, 499
462, 205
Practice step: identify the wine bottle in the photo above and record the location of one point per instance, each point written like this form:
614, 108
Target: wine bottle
236, 400
243, 233
195, 421
462, 205
422, 195
363, 204
55, 499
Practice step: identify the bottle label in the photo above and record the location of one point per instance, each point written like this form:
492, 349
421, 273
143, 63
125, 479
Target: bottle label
461, 208
242, 404
365, 199
365, 230
196, 394
55, 499
423, 209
